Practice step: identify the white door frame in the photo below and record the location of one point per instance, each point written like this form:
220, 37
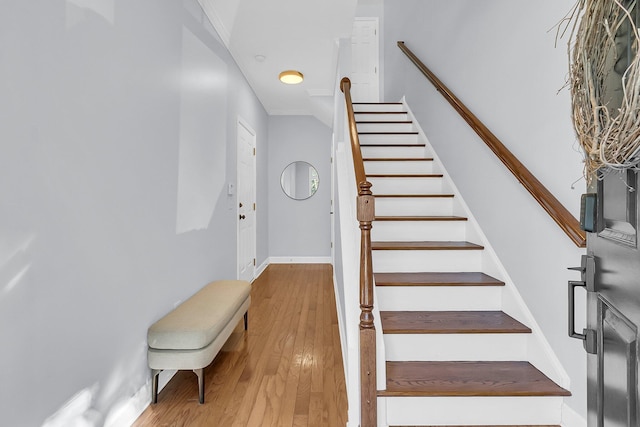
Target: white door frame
376, 59
251, 205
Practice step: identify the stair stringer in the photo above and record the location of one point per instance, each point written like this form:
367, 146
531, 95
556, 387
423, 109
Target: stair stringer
350, 244
538, 349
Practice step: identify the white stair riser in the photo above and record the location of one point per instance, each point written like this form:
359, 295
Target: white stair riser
378, 107
393, 152
378, 138
395, 117
525, 410
427, 260
438, 298
458, 347
427, 206
387, 167
389, 231
406, 185
386, 127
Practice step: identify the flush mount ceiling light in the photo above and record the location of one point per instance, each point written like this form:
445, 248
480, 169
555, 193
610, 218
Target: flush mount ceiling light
291, 77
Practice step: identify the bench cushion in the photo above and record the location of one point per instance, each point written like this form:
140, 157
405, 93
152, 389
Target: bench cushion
196, 322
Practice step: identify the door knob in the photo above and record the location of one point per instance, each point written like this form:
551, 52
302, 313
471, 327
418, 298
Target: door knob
240, 204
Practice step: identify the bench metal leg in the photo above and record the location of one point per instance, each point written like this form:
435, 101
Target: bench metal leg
154, 385
246, 320
200, 374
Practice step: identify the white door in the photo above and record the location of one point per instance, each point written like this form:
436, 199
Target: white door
364, 60
246, 201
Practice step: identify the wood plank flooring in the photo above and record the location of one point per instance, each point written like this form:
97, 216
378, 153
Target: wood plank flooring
286, 370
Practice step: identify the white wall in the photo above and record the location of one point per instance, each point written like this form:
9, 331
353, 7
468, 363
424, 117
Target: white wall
498, 57
299, 228
117, 135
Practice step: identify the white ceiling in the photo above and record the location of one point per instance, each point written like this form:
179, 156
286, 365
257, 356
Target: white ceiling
289, 34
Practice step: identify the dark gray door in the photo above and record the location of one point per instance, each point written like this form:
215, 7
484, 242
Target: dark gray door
611, 268
611, 274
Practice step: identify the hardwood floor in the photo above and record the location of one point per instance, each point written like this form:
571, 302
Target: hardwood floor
286, 370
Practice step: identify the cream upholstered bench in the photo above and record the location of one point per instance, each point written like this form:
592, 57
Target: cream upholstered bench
190, 336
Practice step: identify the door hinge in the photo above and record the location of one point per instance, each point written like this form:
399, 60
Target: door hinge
254, 206
254, 262
254, 151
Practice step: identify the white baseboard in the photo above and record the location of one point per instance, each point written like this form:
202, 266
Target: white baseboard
127, 413
571, 418
290, 260
261, 268
300, 260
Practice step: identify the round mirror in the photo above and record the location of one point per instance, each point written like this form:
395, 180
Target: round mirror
299, 180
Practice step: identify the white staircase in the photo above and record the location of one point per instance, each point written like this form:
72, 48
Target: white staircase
461, 348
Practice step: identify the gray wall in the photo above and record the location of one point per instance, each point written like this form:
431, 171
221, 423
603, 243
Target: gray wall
299, 228
499, 57
117, 136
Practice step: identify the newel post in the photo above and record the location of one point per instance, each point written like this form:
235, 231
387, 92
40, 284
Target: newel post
368, 385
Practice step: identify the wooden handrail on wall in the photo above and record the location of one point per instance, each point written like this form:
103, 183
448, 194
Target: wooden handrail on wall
365, 214
549, 203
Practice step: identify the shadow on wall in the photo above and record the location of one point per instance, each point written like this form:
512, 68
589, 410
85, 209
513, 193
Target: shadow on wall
203, 84
202, 164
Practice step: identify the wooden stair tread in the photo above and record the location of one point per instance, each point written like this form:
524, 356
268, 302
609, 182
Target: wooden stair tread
389, 133
393, 145
436, 279
501, 425
377, 103
428, 245
420, 218
415, 195
406, 175
379, 112
450, 322
468, 379
386, 122
398, 159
